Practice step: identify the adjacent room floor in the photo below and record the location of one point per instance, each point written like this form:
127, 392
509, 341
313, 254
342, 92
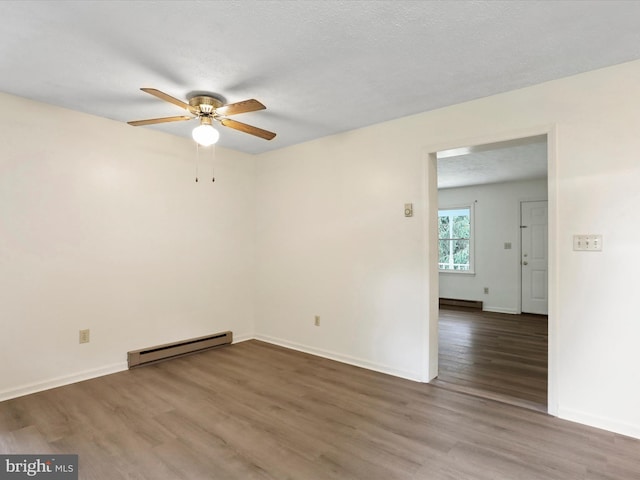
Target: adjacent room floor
494, 355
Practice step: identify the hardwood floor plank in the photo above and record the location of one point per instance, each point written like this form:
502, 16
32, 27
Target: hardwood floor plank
258, 411
499, 356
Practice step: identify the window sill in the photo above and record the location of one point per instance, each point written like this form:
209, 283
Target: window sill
458, 272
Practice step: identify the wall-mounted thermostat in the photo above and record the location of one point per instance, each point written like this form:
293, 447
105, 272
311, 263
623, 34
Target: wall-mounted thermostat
408, 209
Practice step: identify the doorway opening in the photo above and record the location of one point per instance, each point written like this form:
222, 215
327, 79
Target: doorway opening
493, 317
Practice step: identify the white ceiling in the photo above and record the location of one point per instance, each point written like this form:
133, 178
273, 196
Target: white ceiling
320, 67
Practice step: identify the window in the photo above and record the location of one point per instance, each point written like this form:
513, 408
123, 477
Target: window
455, 236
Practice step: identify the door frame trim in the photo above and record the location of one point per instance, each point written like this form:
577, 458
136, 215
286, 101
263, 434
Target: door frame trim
429, 257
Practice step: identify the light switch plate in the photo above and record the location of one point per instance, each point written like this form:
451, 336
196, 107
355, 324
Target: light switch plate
587, 243
84, 336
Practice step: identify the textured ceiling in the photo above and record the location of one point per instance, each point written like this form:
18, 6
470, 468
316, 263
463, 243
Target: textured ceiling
320, 67
514, 160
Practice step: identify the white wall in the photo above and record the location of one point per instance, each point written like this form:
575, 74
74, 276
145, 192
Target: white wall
103, 227
496, 221
332, 239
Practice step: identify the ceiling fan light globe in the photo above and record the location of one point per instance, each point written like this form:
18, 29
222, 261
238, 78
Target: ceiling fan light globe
205, 135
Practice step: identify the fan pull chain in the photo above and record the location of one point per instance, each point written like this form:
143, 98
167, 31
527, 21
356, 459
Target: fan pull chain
197, 158
213, 159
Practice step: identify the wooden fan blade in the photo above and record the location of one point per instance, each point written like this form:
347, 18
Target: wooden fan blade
241, 107
243, 127
166, 98
151, 121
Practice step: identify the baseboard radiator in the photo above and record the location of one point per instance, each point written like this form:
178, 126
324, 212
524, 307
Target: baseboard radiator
162, 352
461, 303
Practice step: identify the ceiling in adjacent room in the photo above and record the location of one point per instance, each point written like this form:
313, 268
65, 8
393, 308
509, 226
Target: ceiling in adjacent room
320, 67
509, 161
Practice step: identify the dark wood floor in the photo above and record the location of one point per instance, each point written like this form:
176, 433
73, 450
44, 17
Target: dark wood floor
494, 355
257, 411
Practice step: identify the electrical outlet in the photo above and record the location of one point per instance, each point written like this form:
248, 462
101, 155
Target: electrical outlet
84, 336
486, 290
316, 321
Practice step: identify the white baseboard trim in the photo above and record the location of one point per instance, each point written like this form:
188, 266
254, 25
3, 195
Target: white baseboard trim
79, 377
510, 311
600, 422
61, 381
338, 357
242, 338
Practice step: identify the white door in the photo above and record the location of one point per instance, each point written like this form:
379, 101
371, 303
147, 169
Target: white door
534, 257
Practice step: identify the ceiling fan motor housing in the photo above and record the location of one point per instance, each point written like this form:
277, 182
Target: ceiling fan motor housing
204, 104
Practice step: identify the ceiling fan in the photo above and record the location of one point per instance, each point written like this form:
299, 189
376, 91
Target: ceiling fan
208, 108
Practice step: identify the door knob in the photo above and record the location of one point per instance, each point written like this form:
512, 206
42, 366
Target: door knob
525, 263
